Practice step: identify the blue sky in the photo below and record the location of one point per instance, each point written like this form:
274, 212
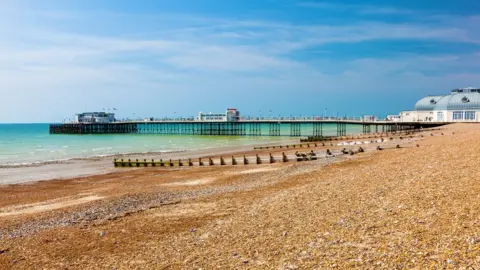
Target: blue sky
165, 58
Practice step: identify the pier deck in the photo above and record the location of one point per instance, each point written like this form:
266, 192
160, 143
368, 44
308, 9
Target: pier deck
274, 127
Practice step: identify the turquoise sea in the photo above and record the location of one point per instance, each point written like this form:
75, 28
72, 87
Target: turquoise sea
31, 143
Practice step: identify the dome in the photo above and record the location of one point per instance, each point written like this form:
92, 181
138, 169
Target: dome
464, 101
427, 103
455, 101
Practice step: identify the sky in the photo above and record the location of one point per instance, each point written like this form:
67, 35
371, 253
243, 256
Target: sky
156, 58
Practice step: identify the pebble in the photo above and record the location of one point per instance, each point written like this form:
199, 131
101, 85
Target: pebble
121, 207
193, 230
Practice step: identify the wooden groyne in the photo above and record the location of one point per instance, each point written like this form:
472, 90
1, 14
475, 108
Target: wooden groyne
221, 161
233, 161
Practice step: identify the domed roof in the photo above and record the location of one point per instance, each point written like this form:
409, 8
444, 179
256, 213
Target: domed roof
427, 103
464, 101
454, 101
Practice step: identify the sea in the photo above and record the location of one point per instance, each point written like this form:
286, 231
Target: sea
24, 144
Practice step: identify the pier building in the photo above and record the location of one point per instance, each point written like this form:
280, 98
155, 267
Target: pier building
231, 115
461, 105
94, 117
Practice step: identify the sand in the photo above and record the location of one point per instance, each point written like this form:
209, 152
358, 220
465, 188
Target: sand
102, 165
412, 207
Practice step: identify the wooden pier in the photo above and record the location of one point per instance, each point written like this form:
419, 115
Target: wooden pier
316, 128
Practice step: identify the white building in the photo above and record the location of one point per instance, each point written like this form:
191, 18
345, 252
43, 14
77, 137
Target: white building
461, 105
94, 117
394, 118
231, 115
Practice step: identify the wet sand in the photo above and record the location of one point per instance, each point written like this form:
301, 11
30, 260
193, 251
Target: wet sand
412, 207
103, 165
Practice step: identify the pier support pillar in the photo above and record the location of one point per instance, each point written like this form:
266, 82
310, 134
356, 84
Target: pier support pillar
274, 129
341, 129
295, 129
317, 129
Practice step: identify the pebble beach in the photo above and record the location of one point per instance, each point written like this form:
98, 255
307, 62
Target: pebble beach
414, 204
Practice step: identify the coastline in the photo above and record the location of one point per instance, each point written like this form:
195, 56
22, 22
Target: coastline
98, 165
316, 214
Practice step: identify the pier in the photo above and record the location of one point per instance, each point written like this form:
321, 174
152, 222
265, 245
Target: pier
313, 127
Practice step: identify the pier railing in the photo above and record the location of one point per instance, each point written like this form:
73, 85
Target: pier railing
249, 119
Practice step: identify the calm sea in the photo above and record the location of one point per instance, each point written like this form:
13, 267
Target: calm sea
31, 143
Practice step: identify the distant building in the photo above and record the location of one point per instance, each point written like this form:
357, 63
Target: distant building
394, 118
231, 115
461, 105
94, 117
369, 118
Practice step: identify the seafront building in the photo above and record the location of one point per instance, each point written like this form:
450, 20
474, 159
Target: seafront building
231, 115
94, 117
461, 105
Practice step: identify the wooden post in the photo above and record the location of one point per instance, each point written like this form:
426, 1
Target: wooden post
259, 161
190, 163
284, 157
245, 160
222, 162
161, 163
170, 163
234, 162
153, 163
138, 164
328, 152
272, 160
210, 161
200, 162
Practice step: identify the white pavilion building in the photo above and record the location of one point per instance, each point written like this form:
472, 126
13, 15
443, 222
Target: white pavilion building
461, 105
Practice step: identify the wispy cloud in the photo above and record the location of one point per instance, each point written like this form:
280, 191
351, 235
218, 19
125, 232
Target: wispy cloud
45, 53
359, 8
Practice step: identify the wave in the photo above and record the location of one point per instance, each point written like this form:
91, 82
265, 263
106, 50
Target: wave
94, 157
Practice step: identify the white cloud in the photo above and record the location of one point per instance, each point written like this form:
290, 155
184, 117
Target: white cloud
45, 57
359, 8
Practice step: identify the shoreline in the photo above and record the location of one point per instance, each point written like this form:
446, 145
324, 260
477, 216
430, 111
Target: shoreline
315, 214
99, 165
